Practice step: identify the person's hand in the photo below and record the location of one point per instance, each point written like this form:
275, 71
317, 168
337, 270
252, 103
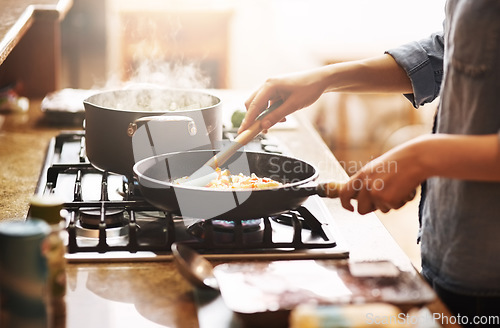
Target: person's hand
297, 91
388, 182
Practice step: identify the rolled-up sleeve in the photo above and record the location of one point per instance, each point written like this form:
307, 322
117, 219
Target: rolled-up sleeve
423, 62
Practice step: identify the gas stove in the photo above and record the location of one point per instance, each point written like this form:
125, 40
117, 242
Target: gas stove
108, 220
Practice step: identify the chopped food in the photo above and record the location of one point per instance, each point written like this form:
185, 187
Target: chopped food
226, 180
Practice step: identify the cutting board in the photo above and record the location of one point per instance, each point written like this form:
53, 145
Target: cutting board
262, 291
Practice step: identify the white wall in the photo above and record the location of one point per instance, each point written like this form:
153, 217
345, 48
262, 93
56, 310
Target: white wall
272, 37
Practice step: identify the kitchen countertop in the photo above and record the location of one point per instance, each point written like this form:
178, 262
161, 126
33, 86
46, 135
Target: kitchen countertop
154, 294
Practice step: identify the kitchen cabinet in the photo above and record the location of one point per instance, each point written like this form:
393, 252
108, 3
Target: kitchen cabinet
30, 45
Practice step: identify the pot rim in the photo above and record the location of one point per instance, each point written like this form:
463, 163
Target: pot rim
89, 100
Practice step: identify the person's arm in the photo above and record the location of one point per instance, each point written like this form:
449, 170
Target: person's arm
414, 69
423, 62
390, 180
375, 75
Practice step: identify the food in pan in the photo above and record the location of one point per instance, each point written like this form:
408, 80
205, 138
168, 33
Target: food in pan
226, 180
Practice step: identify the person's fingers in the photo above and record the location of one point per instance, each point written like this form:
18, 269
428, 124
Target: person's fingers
412, 195
397, 203
250, 99
255, 105
378, 199
279, 114
266, 125
365, 203
346, 194
400, 203
251, 113
384, 208
403, 202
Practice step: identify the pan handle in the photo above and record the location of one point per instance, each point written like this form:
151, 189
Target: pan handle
329, 189
191, 126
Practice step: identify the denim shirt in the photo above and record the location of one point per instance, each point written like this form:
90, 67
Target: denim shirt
460, 230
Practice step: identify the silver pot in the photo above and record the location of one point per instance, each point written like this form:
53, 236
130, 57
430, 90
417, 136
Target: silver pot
125, 126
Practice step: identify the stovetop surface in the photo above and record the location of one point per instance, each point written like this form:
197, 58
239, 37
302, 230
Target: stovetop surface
107, 220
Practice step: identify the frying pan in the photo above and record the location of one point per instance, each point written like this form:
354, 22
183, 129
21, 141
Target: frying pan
156, 174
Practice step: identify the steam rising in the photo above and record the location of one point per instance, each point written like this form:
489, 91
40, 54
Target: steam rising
169, 75
152, 58
157, 86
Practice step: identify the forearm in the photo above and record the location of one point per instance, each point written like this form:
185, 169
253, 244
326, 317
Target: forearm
374, 75
460, 157
298, 90
389, 181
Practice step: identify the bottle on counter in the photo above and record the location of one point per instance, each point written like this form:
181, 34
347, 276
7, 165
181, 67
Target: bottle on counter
23, 273
48, 209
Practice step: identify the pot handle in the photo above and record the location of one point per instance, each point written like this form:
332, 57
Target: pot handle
329, 189
132, 127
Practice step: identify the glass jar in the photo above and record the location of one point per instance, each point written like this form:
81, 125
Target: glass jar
49, 209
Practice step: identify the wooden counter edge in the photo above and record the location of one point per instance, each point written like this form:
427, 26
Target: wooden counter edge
25, 21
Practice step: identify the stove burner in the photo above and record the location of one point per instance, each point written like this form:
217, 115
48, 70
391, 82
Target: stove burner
225, 231
228, 225
306, 220
119, 232
90, 218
